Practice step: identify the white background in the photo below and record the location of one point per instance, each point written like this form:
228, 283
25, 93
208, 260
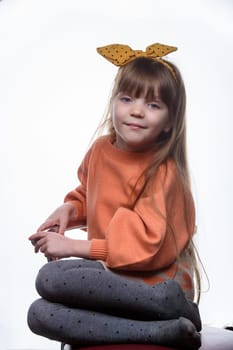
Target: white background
53, 91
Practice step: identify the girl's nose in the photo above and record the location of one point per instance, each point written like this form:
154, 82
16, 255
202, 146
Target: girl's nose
137, 109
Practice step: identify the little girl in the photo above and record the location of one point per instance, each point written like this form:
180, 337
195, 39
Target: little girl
134, 282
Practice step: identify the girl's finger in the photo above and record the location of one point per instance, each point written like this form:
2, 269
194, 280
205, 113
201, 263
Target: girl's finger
40, 245
63, 225
36, 237
54, 228
47, 225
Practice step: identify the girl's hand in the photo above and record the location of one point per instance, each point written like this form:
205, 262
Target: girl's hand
52, 245
58, 221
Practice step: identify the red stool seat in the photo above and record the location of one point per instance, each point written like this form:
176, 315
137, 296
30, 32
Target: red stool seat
128, 347
122, 347
212, 339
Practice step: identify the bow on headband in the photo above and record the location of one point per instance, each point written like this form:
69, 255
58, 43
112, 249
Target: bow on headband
120, 55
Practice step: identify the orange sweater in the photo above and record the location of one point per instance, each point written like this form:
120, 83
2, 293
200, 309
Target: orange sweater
138, 241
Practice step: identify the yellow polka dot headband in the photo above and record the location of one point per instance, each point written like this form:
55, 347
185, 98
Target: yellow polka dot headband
120, 55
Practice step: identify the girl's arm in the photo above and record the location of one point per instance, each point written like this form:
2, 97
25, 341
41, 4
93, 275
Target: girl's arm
59, 220
53, 245
50, 238
151, 235
73, 212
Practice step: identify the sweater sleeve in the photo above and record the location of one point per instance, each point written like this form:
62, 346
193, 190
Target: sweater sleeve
151, 235
78, 196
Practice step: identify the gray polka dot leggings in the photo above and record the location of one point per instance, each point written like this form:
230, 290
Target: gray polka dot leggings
83, 304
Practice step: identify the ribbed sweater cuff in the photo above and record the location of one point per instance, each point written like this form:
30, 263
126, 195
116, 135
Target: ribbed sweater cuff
98, 249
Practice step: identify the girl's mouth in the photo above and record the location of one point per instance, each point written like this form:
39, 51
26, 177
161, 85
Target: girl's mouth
135, 126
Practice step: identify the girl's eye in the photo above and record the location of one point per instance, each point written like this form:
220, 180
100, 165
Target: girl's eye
125, 99
153, 105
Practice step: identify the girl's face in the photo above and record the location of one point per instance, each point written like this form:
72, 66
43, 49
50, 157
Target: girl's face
138, 122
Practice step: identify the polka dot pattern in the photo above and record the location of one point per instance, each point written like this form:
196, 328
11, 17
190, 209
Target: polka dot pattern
81, 303
120, 55
85, 327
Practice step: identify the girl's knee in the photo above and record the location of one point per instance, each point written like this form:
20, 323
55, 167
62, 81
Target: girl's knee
41, 317
33, 318
46, 278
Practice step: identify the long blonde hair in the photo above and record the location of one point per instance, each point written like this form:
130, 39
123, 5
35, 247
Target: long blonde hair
138, 78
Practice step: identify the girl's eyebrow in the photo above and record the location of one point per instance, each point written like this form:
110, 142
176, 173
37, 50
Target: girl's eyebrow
154, 98
157, 96
125, 93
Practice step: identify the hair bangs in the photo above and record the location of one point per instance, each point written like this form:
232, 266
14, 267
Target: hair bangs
138, 86
139, 79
